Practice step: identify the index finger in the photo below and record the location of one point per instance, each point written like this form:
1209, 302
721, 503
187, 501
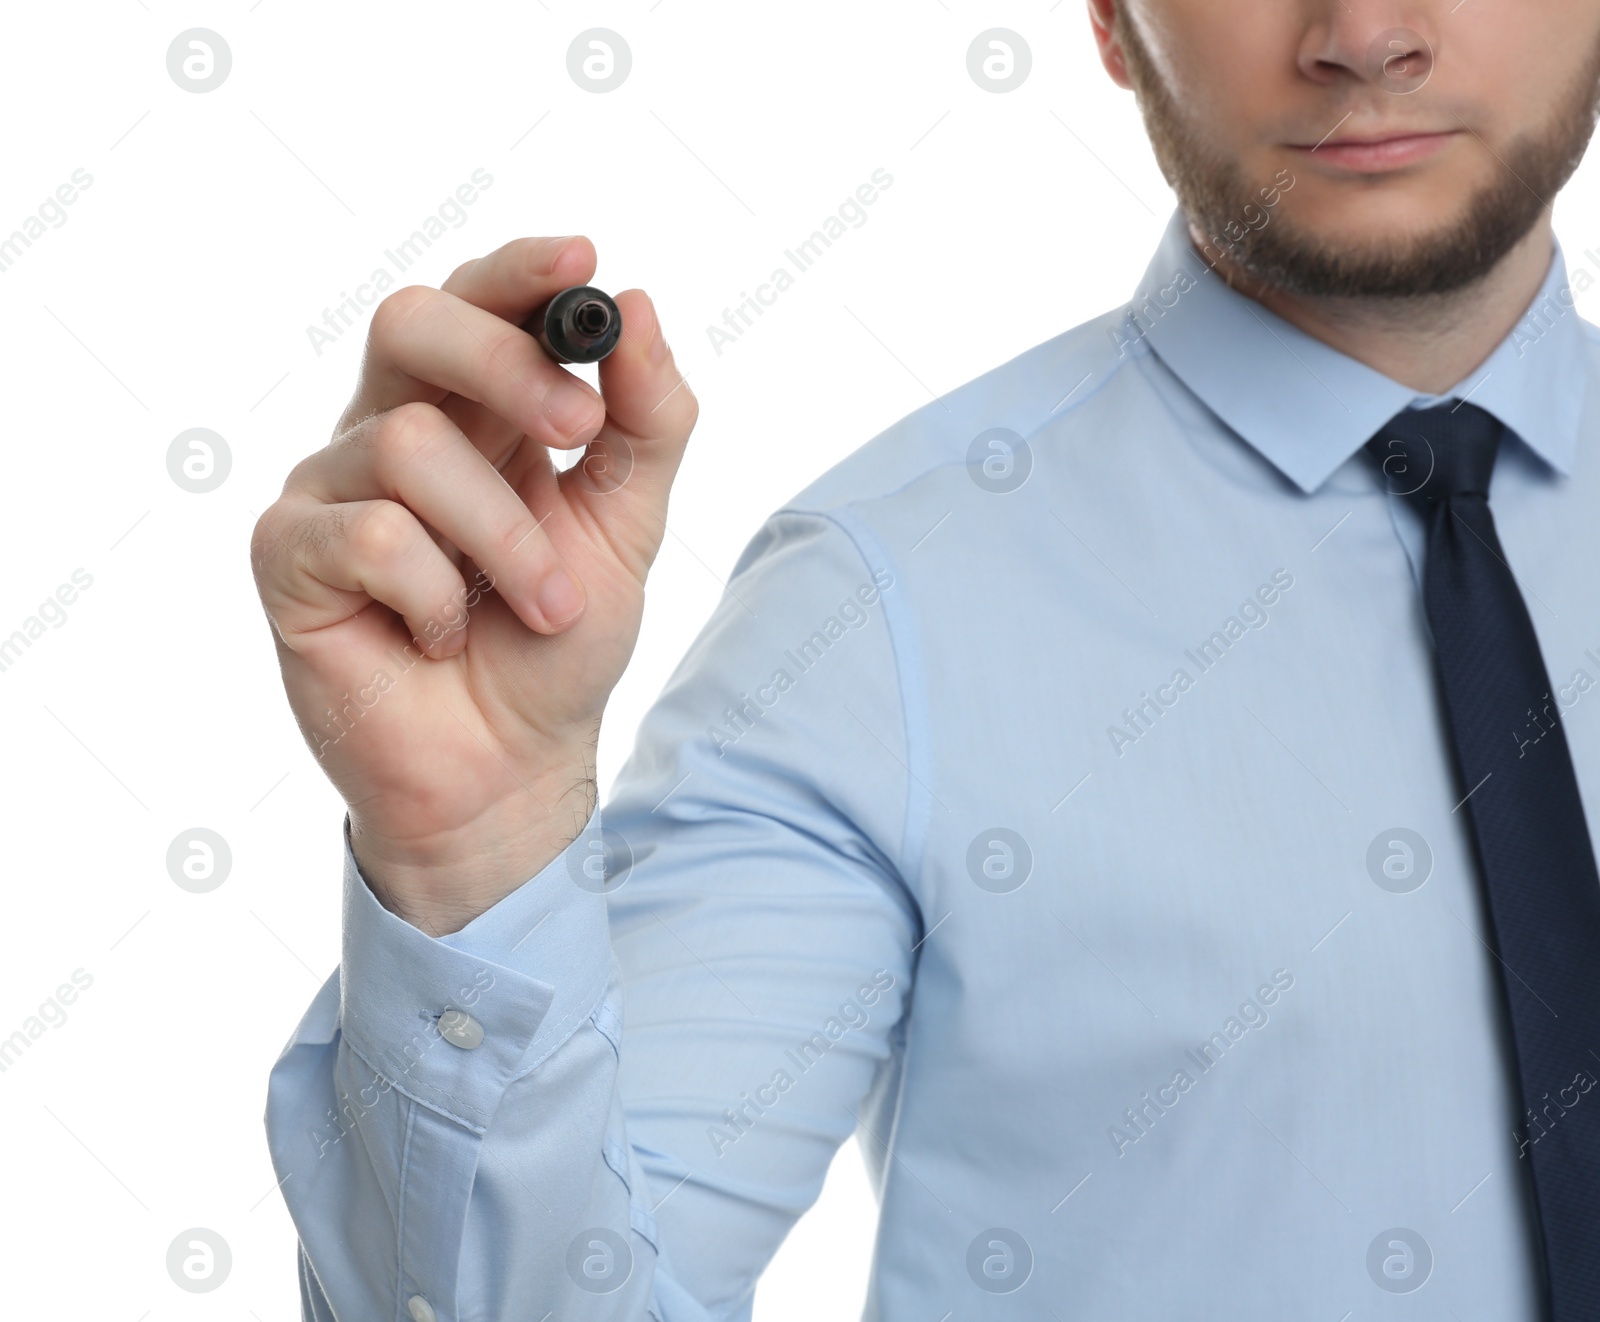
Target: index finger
507, 285
517, 277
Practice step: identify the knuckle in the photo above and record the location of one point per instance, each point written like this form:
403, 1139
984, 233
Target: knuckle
408, 433
391, 315
380, 534
499, 351
284, 534
527, 257
519, 538
314, 533
265, 540
459, 275
302, 475
681, 411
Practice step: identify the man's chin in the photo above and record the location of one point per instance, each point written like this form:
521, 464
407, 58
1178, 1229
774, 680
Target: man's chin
1377, 214
1395, 246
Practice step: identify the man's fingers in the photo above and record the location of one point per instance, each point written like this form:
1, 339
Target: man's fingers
416, 456
497, 438
366, 551
425, 344
514, 279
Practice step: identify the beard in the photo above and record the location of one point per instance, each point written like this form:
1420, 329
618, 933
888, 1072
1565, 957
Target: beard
1214, 193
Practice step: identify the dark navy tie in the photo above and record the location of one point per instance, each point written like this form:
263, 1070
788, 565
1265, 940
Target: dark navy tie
1528, 826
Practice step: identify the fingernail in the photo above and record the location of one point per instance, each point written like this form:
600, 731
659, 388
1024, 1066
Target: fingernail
553, 247
572, 407
560, 598
657, 350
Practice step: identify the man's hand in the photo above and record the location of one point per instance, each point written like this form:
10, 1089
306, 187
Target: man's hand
450, 612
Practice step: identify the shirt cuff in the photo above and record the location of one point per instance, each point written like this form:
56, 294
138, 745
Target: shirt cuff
450, 1021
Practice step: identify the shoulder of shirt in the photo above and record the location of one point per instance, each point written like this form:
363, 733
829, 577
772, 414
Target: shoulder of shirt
1046, 383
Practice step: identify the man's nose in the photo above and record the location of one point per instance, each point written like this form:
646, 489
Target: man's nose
1393, 47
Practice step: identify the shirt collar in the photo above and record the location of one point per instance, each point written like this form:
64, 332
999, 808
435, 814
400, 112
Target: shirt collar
1307, 407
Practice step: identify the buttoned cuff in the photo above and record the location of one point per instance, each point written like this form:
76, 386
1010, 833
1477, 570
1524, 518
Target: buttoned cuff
451, 1021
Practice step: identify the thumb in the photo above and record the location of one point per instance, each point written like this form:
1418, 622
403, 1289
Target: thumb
626, 472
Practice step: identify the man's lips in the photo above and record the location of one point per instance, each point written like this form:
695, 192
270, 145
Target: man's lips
1372, 155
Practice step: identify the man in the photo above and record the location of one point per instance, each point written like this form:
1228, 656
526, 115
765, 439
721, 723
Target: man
1137, 793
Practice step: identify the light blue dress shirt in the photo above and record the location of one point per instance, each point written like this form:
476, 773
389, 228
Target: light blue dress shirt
1057, 801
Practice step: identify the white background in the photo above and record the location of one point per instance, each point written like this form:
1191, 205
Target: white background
178, 293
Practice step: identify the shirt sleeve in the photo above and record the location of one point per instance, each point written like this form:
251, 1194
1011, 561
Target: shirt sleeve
611, 1095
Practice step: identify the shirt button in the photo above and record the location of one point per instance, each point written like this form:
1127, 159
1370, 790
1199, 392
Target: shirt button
460, 1029
420, 1309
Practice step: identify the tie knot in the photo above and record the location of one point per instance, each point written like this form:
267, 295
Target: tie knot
1446, 450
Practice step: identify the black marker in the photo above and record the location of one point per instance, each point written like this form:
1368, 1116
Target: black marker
578, 325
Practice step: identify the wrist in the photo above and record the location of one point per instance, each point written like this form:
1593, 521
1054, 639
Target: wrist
440, 882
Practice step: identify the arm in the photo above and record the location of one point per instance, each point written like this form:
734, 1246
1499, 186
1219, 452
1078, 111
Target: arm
761, 941
762, 915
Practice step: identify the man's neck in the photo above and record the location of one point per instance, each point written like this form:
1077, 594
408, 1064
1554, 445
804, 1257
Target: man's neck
1430, 343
